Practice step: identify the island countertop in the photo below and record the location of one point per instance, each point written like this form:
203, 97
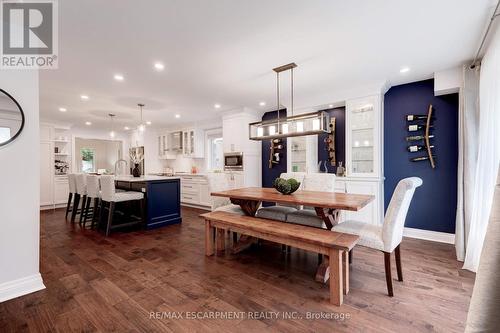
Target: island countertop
148, 178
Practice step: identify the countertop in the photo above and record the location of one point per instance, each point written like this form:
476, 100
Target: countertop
143, 178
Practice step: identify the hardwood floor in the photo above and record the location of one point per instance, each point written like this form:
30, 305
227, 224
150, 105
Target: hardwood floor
116, 283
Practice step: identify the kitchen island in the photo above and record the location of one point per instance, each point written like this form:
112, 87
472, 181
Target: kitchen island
162, 198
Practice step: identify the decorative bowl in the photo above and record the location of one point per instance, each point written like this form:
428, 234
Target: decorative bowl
286, 186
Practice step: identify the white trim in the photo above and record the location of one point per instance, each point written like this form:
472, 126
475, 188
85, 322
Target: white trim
436, 236
20, 287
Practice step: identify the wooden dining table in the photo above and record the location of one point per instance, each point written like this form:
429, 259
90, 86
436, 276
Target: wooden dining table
328, 206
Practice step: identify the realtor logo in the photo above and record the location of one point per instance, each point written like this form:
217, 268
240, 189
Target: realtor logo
29, 34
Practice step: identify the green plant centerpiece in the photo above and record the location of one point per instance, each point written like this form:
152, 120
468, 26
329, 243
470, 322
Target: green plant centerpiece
286, 186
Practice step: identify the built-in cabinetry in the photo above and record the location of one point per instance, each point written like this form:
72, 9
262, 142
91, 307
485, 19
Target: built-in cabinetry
187, 142
364, 160
235, 179
55, 162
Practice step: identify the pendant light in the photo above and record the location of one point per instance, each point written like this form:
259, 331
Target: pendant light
300, 125
112, 132
141, 126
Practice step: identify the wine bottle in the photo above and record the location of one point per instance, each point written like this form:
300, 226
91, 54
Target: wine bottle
417, 137
421, 158
414, 117
413, 128
417, 148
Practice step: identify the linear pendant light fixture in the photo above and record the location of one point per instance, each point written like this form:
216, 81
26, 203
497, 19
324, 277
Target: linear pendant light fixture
300, 125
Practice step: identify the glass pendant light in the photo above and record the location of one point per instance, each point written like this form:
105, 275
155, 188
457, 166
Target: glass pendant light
112, 133
300, 125
142, 126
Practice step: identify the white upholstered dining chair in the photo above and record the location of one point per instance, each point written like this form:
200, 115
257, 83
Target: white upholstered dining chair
279, 212
324, 182
387, 237
217, 181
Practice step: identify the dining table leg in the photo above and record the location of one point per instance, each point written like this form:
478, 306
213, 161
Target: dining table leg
331, 217
249, 207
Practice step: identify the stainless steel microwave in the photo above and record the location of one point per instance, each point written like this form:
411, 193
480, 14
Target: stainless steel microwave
233, 161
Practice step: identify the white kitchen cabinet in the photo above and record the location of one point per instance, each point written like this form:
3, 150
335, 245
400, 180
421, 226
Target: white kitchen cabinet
61, 190
193, 143
195, 191
235, 179
164, 147
46, 173
364, 137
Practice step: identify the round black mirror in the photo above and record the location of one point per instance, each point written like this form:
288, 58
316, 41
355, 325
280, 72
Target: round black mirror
11, 118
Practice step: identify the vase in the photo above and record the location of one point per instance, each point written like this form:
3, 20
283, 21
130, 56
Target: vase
136, 172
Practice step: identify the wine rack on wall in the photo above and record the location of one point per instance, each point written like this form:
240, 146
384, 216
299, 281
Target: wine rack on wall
419, 139
330, 143
275, 154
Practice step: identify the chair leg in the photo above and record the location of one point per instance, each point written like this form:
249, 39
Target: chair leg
235, 237
350, 256
87, 209
398, 263
110, 217
82, 211
143, 214
102, 212
95, 212
388, 277
70, 197
320, 258
74, 210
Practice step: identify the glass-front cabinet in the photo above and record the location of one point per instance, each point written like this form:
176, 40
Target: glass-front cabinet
363, 129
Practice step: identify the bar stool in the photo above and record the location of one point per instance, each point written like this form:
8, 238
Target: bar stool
93, 194
78, 195
72, 191
111, 197
81, 191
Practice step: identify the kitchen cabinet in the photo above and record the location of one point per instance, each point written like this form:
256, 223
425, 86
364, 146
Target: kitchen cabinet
46, 173
61, 190
195, 191
165, 150
235, 179
193, 143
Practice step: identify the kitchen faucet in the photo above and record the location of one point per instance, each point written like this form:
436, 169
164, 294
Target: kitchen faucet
117, 163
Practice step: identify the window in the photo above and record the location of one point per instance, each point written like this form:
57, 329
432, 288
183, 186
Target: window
4, 134
88, 160
214, 150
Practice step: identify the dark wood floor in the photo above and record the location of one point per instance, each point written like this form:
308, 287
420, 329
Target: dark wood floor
113, 284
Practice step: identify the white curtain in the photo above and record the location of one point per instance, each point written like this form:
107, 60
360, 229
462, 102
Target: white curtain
488, 153
468, 120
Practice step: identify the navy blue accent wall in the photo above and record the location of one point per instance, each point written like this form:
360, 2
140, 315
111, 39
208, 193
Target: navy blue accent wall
339, 114
434, 204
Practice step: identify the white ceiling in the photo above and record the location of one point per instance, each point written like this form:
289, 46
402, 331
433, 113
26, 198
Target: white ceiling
222, 51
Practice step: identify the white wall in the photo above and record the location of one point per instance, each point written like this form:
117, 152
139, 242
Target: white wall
19, 193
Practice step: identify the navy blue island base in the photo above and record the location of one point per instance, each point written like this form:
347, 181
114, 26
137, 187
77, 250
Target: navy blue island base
163, 198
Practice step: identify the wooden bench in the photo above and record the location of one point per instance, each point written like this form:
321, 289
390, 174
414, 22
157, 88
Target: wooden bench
335, 245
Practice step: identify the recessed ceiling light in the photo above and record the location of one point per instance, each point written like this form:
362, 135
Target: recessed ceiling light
262, 103
330, 106
404, 69
88, 123
177, 116
217, 106
148, 123
118, 77
126, 128
62, 109
159, 66
84, 97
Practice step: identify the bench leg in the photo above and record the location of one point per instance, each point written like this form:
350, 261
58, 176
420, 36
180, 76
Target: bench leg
221, 244
336, 277
209, 239
345, 269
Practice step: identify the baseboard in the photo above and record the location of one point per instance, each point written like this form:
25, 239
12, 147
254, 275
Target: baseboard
20, 287
436, 236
